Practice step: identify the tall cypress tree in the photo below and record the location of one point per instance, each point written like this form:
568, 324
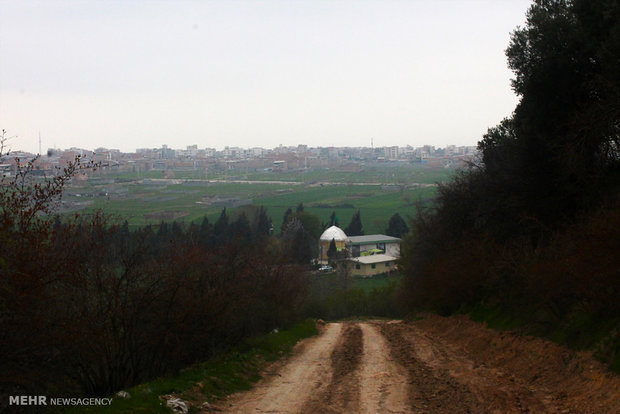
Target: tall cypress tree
262, 224
397, 226
332, 251
220, 228
355, 227
286, 218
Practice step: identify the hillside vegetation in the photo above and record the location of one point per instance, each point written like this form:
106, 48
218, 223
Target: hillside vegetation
529, 235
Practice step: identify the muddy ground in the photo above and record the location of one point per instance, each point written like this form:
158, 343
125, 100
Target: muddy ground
432, 365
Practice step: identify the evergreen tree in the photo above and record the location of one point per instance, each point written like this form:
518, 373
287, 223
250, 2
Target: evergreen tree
286, 219
397, 226
177, 230
240, 229
301, 246
205, 232
125, 228
300, 207
262, 224
297, 241
355, 226
220, 228
311, 223
332, 251
333, 219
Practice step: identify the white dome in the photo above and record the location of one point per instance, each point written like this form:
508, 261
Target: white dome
333, 232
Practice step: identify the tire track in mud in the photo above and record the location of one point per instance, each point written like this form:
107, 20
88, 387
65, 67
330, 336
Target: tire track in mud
430, 390
383, 383
342, 394
433, 365
305, 374
495, 392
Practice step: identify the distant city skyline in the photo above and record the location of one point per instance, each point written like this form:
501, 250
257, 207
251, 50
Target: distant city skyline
46, 151
140, 74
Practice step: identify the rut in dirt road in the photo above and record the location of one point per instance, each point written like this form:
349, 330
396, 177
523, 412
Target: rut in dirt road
342, 393
493, 391
383, 381
432, 365
288, 390
347, 369
429, 391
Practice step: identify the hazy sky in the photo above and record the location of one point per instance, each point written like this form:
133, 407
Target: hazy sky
131, 74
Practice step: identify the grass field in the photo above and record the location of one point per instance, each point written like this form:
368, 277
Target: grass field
142, 201
377, 173
368, 297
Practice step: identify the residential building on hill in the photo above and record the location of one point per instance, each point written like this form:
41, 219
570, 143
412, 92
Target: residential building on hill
367, 255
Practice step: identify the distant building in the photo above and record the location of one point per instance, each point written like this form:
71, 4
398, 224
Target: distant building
279, 165
359, 245
233, 152
333, 233
368, 255
391, 153
372, 265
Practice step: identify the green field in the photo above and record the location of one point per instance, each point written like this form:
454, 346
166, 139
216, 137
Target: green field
377, 192
331, 297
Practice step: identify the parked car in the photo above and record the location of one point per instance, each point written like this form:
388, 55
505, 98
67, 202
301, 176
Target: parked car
326, 269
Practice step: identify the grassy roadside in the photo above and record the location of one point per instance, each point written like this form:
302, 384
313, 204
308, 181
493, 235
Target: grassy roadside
363, 297
233, 371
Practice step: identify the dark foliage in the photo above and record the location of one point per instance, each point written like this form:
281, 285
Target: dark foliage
522, 228
355, 227
286, 218
300, 233
397, 226
332, 251
262, 225
299, 244
88, 307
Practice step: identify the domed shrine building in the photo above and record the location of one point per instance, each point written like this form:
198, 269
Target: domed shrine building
368, 255
334, 233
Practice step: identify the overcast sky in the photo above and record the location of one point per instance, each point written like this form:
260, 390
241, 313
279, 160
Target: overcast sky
138, 74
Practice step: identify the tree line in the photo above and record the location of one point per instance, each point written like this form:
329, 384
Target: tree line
532, 227
88, 306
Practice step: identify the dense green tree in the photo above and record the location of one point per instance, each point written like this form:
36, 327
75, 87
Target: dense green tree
302, 246
220, 228
286, 218
564, 137
333, 219
332, 251
311, 223
299, 244
262, 224
205, 232
163, 233
397, 226
300, 208
555, 161
355, 227
177, 230
240, 230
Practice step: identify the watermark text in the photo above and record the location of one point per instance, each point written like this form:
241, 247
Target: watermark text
43, 400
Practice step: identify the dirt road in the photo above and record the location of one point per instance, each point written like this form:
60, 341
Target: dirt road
433, 365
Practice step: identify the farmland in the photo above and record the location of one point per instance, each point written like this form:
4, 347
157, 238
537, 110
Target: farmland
378, 192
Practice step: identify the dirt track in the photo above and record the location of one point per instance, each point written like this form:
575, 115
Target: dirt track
434, 365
